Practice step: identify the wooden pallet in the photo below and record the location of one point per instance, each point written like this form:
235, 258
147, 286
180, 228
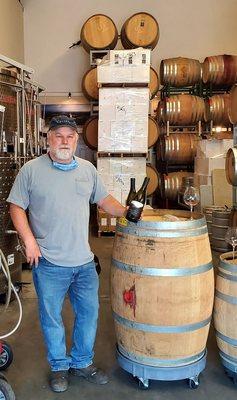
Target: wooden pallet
124, 85
119, 154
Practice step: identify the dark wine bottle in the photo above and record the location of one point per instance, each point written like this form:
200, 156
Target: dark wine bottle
142, 192
134, 211
132, 192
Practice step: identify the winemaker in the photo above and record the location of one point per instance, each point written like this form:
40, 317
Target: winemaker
57, 189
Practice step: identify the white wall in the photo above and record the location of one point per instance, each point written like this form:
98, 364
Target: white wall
192, 28
11, 30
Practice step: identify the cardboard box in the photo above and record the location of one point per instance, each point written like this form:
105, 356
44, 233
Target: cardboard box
222, 190
213, 148
123, 120
200, 179
106, 222
126, 74
116, 173
205, 166
125, 66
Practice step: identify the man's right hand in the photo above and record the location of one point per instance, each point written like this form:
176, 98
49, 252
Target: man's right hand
32, 252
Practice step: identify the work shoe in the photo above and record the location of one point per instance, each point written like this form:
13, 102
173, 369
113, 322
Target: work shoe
91, 374
59, 381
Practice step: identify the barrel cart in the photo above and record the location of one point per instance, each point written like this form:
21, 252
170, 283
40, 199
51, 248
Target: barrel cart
162, 291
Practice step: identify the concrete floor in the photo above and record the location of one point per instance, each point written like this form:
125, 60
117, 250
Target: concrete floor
28, 372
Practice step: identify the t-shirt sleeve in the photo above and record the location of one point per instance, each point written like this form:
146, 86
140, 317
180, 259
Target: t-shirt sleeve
19, 193
99, 192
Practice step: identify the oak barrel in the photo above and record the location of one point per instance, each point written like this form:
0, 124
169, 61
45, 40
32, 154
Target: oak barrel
233, 105
153, 184
220, 224
220, 70
89, 84
171, 183
217, 109
225, 310
154, 82
90, 132
99, 32
162, 288
207, 211
140, 30
231, 166
177, 148
180, 71
182, 109
153, 131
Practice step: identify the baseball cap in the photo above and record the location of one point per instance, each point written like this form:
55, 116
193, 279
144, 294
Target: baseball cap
62, 120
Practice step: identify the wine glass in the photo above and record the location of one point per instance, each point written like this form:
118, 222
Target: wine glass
191, 198
231, 238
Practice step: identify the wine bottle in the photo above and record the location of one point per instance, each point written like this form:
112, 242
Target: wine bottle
136, 205
132, 192
142, 192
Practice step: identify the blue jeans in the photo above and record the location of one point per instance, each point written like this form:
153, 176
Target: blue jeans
52, 283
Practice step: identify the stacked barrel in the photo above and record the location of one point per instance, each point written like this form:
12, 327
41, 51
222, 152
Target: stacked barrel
178, 115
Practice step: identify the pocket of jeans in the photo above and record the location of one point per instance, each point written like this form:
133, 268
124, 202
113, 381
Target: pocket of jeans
83, 187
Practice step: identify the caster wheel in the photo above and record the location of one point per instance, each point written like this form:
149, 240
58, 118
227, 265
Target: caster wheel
6, 356
6, 392
193, 383
143, 384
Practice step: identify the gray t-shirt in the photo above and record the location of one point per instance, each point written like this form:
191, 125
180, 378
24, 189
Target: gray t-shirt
58, 204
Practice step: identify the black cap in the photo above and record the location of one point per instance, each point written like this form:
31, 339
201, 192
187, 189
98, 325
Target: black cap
62, 120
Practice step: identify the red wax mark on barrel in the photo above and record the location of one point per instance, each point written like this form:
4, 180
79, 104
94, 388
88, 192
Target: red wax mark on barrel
129, 297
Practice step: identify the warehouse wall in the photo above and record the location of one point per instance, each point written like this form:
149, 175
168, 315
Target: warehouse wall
11, 30
187, 28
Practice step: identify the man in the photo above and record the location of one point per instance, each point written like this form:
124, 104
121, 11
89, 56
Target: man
57, 188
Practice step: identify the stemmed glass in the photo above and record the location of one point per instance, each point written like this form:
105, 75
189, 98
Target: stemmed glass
231, 238
191, 198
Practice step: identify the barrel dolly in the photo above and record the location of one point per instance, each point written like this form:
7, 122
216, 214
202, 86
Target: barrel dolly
230, 366
143, 373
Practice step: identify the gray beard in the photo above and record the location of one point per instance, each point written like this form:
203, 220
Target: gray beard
63, 154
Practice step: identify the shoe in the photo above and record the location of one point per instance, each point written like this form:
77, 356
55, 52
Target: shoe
59, 381
91, 374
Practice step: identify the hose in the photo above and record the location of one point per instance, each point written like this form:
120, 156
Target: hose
6, 272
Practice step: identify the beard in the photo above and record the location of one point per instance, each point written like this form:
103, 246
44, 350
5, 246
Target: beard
63, 154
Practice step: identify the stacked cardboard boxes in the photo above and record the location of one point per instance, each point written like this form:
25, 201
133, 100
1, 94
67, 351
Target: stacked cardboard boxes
209, 167
123, 119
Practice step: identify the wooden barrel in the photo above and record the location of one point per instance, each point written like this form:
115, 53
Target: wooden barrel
217, 109
182, 109
180, 71
89, 84
233, 105
153, 131
220, 224
171, 184
140, 30
231, 166
225, 310
99, 32
207, 211
152, 173
177, 148
90, 133
162, 289
161, 112
154, 82
220, 70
